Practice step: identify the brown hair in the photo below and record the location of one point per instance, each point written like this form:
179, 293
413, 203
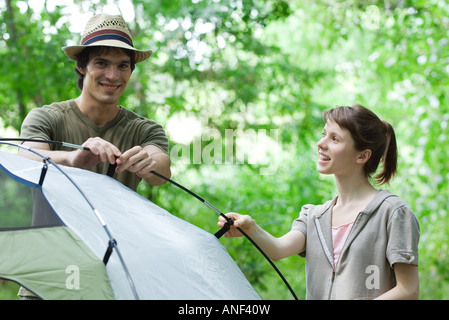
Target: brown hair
369, 132
82, 59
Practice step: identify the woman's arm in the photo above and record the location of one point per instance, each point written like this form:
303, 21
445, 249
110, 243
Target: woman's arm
407, 283
276, 248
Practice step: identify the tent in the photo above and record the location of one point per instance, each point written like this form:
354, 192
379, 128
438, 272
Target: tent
103, 240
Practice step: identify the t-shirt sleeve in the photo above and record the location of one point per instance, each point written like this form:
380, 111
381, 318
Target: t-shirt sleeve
152, 133
37, 124
300, 223
403, 237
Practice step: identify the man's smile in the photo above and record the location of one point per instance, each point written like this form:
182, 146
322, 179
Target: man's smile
110, 87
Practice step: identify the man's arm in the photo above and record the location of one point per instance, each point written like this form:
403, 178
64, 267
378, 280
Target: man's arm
59, 157
138, 160
162, 166
100, 151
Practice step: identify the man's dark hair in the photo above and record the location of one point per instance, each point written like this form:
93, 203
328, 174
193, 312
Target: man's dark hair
82, 59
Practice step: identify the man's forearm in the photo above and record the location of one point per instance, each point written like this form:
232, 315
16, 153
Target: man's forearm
162, 167
59, 157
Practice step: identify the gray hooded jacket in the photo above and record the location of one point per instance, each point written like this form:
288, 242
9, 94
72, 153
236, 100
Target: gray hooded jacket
384, 233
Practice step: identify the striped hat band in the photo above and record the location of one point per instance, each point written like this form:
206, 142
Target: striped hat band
107, 34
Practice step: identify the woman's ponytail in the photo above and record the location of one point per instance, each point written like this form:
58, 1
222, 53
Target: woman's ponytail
389, 158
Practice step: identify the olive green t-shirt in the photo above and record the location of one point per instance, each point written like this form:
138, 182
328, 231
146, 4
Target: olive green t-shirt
63, 121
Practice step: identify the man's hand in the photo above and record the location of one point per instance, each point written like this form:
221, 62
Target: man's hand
100, 151
136, 160
142, 161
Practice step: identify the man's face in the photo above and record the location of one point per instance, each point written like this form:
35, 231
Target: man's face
106, 76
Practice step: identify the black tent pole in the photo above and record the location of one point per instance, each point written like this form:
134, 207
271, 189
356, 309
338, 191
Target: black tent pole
228, 223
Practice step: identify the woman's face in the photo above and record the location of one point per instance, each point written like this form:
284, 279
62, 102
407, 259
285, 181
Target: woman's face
336, 152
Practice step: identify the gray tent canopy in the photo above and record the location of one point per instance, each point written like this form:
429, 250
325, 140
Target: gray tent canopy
161, 256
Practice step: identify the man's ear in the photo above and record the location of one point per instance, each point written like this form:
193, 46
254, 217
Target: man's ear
81, 70
364, 156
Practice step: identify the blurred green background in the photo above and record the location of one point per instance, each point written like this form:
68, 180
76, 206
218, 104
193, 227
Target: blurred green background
240, 86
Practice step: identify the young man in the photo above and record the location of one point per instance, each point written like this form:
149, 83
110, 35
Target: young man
115, 135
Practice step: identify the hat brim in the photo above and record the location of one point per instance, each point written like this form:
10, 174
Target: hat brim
140, 55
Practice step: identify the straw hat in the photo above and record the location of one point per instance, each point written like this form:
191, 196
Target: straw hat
106, 30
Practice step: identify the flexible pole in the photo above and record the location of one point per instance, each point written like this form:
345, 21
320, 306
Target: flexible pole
229, 221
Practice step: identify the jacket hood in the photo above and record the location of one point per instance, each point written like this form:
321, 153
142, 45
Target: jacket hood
372, 206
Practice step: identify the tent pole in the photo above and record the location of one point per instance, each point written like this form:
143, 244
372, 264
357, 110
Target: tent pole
110, 172
228, 223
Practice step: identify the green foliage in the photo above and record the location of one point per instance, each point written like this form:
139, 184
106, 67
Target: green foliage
8, 290
32, 64
275, 64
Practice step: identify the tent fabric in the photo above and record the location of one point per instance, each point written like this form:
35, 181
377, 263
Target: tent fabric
167, 257
70, 269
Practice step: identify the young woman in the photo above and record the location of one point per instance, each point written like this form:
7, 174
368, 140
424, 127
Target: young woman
363, 244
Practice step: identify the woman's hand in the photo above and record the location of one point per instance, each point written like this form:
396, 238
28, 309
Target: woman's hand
291, 243
244, 222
